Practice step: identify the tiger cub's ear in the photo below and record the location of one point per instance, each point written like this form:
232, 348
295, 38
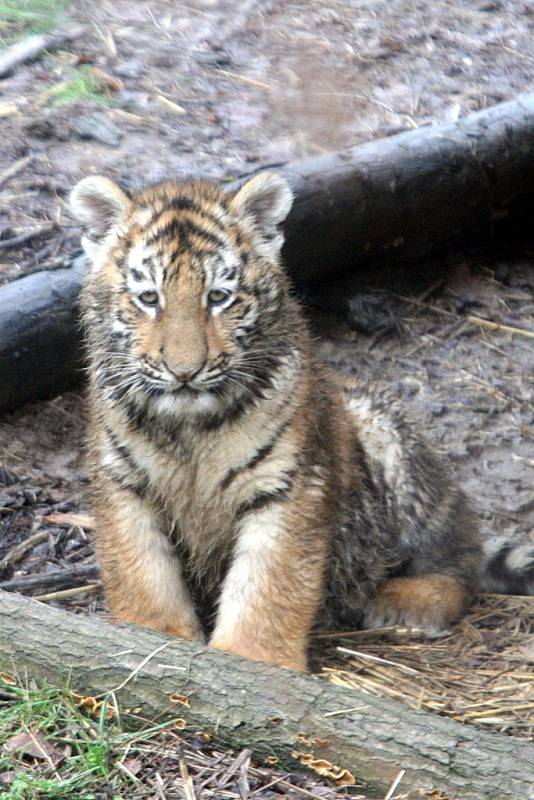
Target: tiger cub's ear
99, 205
267, 199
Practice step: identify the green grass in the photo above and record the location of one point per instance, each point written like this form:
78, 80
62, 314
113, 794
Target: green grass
82, 85
19, 18
90, 748
22, 17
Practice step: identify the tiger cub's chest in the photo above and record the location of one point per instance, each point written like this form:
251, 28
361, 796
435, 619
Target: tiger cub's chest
203, 482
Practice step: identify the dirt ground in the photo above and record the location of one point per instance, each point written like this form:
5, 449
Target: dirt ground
217, 87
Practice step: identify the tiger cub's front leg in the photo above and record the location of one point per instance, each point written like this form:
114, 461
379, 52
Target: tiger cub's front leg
274, 586
141, 573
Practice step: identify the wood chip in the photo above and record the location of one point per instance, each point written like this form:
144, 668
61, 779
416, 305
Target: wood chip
170, 105
71, 519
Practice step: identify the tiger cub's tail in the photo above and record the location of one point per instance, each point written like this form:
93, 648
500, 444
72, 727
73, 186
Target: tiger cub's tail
509, 567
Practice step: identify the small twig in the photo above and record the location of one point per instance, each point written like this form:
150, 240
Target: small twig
243, 785
245, 79
497, 326
70, 519
480, 321
272, 783
169, 104
376, 658
187, 780
160, 787
136, 670
32, 46
393, 787
15, 241
65, 579
395, 633
15, 168
90, 588
299, 790
124, 768
19, 550
234, 767
39, 747
415, 302
345, 711
20, 52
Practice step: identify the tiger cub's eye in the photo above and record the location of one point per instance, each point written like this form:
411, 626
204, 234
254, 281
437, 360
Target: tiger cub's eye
217, 296
149, 298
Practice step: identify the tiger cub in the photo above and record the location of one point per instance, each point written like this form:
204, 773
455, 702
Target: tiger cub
242, 492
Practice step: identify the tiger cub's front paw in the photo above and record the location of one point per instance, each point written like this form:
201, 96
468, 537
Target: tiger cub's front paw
289, 658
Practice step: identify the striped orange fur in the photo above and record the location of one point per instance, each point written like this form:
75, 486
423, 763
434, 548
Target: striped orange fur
243, 494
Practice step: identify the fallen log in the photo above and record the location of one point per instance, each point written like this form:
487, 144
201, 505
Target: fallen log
40, 336
275, 712
414, 195
407, 197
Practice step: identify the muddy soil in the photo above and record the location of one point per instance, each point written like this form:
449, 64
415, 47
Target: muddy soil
219, 87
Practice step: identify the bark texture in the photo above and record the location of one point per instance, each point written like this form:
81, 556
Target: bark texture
275, 712
412, 195
406, 197
40, 336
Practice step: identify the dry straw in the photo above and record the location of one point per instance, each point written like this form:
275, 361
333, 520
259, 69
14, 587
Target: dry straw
482, 673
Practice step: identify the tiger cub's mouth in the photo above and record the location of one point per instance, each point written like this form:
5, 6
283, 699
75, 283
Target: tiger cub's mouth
184, 389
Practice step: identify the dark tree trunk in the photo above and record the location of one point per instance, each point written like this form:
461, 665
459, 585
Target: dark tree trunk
412, 195
273, 711
40, 336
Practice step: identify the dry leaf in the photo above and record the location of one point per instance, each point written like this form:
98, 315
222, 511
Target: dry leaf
33, 745
109, 81
133, 765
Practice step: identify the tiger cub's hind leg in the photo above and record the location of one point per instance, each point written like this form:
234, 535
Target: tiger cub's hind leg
430, 602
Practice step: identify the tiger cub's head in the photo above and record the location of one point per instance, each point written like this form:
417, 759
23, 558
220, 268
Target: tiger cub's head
184, 301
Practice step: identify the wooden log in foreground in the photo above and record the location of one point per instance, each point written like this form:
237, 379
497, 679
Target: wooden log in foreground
273, 711
408, 196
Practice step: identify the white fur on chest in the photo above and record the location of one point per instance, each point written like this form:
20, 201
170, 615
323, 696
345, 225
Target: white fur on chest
189, 478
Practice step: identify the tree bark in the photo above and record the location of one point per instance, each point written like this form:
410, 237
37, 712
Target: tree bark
273, 711
407, 197
40, 336
413, 195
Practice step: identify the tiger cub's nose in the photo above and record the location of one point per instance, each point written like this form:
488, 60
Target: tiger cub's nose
184, 373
